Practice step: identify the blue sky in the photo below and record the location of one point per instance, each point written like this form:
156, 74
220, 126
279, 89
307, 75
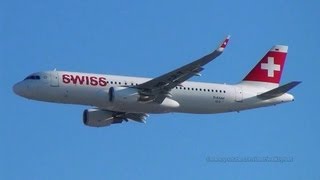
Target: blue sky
41, 140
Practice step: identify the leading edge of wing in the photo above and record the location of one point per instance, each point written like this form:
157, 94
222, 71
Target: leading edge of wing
171, 79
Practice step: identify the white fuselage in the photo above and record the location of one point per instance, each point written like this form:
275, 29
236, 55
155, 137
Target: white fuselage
189, 97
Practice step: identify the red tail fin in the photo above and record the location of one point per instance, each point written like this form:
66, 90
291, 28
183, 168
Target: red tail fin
270, 67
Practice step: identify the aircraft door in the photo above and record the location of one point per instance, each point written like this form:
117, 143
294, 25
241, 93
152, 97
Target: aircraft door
54, 79
239, 94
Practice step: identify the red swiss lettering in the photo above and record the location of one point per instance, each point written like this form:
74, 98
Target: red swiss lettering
66, 78
84, 80
87, 80
102, 81
93, 81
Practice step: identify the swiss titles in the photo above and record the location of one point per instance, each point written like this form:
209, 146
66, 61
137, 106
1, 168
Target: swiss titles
84, 80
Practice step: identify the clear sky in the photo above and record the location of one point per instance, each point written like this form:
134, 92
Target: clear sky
41, 140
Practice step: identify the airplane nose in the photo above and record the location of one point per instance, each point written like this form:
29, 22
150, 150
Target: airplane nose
23, 89
17, 89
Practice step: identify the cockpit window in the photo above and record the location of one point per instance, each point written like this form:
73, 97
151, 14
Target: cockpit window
34, 77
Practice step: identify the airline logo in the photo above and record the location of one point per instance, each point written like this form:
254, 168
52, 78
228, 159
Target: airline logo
84, 80
270, 67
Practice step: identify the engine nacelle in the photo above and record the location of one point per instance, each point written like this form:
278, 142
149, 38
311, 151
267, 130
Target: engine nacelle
123, 95
99, 118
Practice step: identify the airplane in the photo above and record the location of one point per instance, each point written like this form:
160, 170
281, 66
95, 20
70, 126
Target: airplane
115, 99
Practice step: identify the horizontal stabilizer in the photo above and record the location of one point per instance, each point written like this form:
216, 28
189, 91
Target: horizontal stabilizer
278, 91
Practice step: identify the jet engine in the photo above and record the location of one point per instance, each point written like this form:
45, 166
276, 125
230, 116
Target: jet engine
100, 118
123, 95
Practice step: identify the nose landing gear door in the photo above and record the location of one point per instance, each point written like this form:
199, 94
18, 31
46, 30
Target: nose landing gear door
54, 79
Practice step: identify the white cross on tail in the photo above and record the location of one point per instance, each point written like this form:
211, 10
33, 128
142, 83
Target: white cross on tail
270, 67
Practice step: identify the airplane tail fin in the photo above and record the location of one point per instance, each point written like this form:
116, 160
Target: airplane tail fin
269, 68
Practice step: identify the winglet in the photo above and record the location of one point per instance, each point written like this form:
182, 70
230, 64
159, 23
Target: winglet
224, 44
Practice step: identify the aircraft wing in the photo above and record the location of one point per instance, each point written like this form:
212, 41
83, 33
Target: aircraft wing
158, 88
